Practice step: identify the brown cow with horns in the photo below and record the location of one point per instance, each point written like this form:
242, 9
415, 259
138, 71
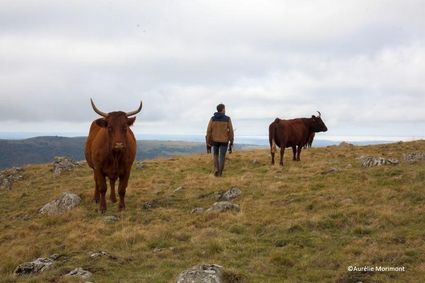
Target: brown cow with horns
110, 150
293, 133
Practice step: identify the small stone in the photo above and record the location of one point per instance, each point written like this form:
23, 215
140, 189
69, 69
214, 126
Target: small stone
139, 165
102, 254
197, 210
229, 195
223, 206
178, 189
110, 219
79, 272
206, 273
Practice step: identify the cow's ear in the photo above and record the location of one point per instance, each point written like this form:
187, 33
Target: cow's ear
102, 123
130, 121
312, 116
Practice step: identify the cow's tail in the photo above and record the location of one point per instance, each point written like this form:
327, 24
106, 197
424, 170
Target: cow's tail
273, 149
272, 134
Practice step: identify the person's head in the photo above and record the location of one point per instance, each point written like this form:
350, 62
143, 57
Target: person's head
221, 108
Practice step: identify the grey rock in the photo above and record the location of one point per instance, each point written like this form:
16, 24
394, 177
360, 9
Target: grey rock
9, 176
206, 273
39, 265
79, 272
370, 161
101, 254
223, 206
139, 165
63, 163
110, 219
229, 195
65, 202
414, 157
197, 210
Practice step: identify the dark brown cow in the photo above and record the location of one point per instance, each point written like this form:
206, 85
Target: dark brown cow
293, 133
110, 150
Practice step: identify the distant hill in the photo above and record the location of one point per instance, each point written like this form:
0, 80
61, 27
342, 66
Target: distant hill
44, 149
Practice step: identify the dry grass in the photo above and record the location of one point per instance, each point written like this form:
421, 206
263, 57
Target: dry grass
295, 224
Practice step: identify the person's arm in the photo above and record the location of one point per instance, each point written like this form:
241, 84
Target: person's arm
231, 136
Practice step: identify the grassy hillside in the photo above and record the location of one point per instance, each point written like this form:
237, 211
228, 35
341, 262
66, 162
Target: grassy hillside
297, 223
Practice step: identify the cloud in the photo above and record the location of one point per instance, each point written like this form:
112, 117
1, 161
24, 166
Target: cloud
360, 63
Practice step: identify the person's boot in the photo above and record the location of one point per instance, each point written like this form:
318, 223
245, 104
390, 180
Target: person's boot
216, 166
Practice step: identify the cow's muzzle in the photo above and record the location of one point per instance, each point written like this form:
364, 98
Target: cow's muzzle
119, 146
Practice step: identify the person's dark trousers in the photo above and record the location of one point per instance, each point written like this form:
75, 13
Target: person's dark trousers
219, 149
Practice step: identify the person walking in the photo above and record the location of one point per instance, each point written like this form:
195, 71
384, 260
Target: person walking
219, 137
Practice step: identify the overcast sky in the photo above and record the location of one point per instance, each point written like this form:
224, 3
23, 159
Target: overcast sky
361, 63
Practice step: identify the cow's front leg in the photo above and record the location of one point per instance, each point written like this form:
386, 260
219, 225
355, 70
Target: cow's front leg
294, 151
96, 195
112, 196
101, 181
299, 152
122, 188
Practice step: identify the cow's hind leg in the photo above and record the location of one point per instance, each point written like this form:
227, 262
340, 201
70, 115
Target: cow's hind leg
112, 196
282, 152
121, 190
272, 153
294, 151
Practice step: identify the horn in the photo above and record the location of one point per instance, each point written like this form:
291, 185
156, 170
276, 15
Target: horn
319, 113
136, 111
103, 114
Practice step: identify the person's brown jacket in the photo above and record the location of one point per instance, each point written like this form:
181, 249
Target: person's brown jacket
220, 129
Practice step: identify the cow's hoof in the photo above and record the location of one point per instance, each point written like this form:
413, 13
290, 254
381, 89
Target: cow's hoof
121, 207
96, 200
113, 199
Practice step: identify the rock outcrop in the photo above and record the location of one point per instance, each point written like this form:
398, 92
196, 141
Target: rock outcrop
229, 195
371, 161
36, 266
9, 176
64, 203
62, 164
414, 157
